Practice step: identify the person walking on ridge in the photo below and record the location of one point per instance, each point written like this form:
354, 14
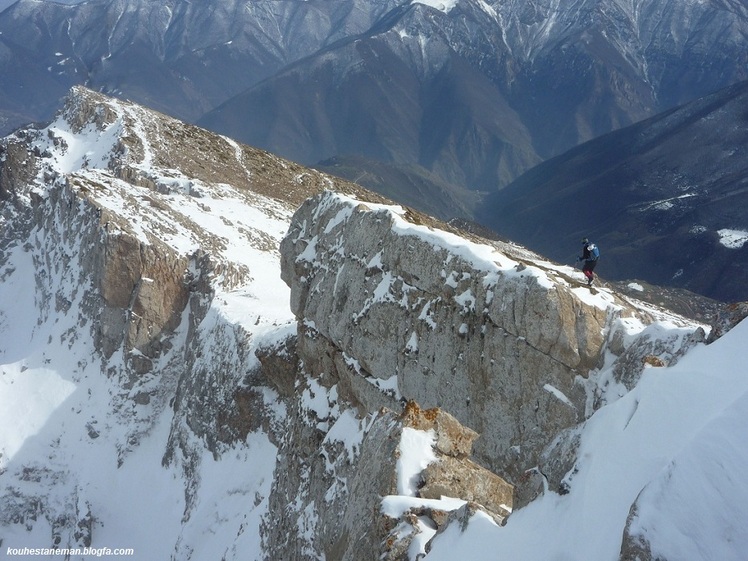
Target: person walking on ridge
590, 255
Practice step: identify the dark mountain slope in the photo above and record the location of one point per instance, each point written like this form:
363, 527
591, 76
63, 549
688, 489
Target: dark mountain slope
177, 56
480, 92
474, 91
364, 99
411, 185
666, 199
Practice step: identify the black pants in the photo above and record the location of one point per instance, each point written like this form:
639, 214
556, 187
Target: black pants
587, 269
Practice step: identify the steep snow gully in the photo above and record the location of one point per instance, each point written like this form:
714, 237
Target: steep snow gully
412, 393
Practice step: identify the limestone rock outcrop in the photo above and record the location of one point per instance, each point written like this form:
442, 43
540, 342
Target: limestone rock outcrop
352, 471
155, 300
727, 319
490, 333
454, 474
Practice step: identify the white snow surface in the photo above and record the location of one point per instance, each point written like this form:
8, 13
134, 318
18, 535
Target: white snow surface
416, 453
675, 443
445, 6
732, 239
76, 433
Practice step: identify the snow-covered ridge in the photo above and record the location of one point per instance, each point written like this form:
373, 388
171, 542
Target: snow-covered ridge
131, 273
137, 295
463, 324
143, 320
397, 282
139, 263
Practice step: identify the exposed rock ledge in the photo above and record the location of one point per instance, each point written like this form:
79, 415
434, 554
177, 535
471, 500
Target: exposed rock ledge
391, 310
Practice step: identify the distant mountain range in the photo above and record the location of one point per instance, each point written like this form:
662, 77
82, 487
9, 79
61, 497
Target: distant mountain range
479, 92
665, 199
475, 92
440, 105
176, 56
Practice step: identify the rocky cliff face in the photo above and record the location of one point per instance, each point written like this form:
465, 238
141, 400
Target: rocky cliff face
124, 250
507, 343
418, 379
150, 293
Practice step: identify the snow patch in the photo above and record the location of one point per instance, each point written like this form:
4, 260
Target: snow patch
28, 398
732, 239
558, 394
445, 6
416, 453
347, 430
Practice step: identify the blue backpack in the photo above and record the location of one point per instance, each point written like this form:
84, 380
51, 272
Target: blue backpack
594, 252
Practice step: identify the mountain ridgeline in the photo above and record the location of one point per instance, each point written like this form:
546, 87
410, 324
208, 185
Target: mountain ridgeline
665, 199
406, 382
472, 91
440, 106
478, 92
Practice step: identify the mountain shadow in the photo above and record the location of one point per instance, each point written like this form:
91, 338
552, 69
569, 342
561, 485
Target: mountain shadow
665, 199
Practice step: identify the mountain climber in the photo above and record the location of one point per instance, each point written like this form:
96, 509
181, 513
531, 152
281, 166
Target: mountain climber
590, 255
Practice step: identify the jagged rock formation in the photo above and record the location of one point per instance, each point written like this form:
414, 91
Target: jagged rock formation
732, 315
322, 466
454, 475
501, 340
140, 298
124, 241
111, 210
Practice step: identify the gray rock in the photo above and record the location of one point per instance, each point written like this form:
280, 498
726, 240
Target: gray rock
727, 319
507, 351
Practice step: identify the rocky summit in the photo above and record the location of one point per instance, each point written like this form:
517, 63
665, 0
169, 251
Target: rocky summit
207, 351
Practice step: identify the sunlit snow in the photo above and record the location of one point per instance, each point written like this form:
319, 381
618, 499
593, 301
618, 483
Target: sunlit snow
443, 5
674, 443
679, 436
732, 239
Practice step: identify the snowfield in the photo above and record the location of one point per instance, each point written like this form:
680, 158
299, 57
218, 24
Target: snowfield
732, 239
76, 440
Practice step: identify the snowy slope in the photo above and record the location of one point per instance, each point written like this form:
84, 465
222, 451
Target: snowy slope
624, 446
675, 445
99, 451
80, 453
